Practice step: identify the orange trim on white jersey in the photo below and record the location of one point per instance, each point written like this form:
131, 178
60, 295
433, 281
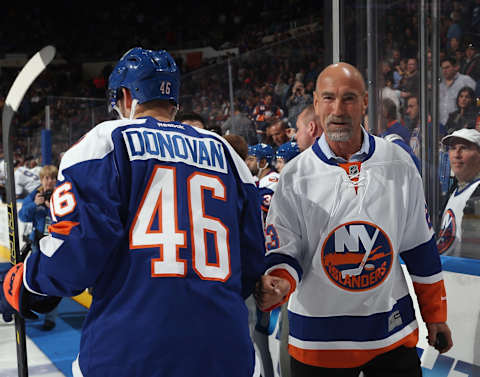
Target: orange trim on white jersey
347, 358
432, 299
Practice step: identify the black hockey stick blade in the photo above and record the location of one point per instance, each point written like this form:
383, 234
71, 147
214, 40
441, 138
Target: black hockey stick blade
22, 82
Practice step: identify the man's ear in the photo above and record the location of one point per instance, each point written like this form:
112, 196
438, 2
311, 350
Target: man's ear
365, 103
311, 128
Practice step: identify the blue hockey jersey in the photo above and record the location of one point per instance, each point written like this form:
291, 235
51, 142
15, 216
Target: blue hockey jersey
163, 221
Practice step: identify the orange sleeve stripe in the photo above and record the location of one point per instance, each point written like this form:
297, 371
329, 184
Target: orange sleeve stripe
12, 285
347, 358
432, 300
284, 274
62, 227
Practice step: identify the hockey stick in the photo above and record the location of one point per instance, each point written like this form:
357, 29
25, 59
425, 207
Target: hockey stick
358, 270
22, 82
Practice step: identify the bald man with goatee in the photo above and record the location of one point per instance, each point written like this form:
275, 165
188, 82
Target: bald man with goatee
343, 213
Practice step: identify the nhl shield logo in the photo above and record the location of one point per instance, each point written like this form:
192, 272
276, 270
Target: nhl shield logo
353, 169
357, 256
447, 233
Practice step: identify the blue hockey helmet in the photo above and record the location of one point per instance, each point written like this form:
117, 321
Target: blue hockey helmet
261, 151
148, 74
287, 151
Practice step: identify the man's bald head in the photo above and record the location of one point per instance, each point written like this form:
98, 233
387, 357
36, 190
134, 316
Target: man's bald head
340, 101
341, 70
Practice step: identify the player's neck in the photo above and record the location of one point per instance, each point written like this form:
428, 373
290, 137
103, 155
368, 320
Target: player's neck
346, 149
161, 114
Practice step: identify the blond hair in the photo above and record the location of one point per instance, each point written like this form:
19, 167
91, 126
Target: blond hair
48, 171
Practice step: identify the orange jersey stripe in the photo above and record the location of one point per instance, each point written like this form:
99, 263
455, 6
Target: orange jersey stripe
432, 300
284, 274
346, 358
62, 227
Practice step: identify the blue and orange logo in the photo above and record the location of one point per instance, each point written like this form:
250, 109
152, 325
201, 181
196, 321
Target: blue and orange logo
447, 232
357, 256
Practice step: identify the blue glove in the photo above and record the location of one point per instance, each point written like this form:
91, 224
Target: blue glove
15, 298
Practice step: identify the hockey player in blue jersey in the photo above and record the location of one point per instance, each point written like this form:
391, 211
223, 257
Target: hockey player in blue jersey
163, 221
285, 153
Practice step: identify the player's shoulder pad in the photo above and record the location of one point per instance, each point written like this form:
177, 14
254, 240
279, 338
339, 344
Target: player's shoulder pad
95, 144
242, 168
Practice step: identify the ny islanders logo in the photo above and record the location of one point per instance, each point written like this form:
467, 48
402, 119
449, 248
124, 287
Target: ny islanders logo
357, 256
447, 232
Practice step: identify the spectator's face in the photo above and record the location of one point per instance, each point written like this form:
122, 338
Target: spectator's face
412, 108
268, 100
411, 65
278, 134
464, 159
464, 100
454, 43
252, 164
448, 70
396, 54
48, 182
469, 52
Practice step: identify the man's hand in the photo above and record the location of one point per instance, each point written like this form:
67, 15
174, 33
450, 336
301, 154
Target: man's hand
435, 340
39, 199
270, 292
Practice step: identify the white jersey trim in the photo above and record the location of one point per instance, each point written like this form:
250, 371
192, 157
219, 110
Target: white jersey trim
76, 368
427, 279
49, 245
346, 345
95, 145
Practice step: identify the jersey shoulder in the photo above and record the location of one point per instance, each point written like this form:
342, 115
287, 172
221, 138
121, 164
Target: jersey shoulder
95, 144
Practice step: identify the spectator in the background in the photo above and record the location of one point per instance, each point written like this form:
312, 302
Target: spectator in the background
36, 210
413, 124
466, 114
411, 80
391, 124
392, 130
454, 33
471, 66
389, 92
240, 124
277, 133
263, 114
281, 87
399, 73
193, 119
297, 102
451, 83
25, 179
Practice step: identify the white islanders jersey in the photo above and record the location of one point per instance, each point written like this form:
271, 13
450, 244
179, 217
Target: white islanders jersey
336, 231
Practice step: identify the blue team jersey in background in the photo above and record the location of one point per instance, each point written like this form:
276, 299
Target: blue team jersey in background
163, 221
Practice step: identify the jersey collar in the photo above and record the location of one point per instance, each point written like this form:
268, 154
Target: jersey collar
324, 152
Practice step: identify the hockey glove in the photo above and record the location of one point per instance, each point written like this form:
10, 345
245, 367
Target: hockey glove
14, 297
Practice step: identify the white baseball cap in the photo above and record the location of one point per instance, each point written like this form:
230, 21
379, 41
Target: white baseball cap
469, 134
